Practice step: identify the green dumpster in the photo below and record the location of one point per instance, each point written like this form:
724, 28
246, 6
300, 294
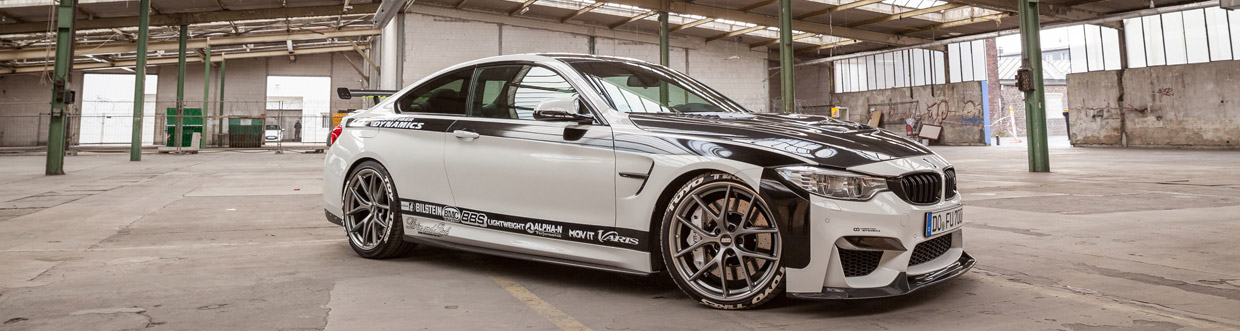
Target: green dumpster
245, 132
191, 123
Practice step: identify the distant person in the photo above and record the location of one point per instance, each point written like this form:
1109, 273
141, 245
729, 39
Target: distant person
297, 130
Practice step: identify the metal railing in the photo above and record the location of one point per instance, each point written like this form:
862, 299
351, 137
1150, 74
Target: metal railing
253, 124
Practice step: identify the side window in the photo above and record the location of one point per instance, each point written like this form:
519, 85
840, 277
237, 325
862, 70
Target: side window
513, 91
443, 95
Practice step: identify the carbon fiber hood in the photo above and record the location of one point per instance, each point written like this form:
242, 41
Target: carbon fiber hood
827, 141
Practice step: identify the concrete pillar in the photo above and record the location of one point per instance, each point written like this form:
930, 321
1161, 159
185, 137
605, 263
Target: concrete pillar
389, 57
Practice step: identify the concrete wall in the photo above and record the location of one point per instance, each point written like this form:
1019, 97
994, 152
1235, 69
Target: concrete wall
436, 38
1194, 105
25, 101
957, 107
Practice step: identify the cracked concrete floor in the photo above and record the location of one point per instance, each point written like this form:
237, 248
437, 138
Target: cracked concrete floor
1140, 239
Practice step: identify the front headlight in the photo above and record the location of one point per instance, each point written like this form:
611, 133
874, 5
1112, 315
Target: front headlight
833, 183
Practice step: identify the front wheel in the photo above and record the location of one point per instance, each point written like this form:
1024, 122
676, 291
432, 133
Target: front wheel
372, 213
721, 244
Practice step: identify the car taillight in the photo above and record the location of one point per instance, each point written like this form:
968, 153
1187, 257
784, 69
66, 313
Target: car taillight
335, 134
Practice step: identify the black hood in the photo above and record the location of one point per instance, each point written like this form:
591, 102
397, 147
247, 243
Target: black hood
825, 140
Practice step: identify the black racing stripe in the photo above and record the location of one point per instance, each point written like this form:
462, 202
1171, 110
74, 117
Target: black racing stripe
649, 144
584, 135
408, 122
792, 213
589, 234
826, 141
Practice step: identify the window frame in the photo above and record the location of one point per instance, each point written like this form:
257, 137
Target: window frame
594, 110
467, 85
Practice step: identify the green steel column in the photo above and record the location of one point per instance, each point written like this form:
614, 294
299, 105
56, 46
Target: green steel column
60, 84
180, 85
219, 109
139, 81
1035, 101
785, 57
664, 56
591, 44
206, 88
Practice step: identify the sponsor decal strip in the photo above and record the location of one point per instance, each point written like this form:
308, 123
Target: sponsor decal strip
590, 234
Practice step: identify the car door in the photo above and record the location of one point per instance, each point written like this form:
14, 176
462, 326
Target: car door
521, 175
411, 138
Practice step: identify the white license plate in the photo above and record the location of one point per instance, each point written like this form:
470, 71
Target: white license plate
944, 221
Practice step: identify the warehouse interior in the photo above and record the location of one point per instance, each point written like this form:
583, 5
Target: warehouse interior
1098, 168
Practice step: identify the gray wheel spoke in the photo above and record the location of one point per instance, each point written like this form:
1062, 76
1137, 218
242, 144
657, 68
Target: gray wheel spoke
750, 254
358, 197
705, 207
696, 229
358, 210
703, 270
748, 212
723, 272
695, 246
748, 231
726, 205
745, 271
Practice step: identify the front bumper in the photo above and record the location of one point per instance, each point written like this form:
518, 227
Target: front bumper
822, 263
903, 284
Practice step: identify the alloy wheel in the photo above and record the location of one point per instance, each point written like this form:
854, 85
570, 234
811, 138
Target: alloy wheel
367, 205
725, 245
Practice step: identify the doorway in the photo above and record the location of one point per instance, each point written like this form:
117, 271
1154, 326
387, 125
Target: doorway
107, 109
299, 99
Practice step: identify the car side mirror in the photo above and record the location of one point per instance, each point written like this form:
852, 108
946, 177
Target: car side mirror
561, 110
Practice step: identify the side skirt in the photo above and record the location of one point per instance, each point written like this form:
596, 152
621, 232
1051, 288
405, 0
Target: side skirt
520, 256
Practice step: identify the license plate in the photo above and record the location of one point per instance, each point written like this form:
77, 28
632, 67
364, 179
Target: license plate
944, 221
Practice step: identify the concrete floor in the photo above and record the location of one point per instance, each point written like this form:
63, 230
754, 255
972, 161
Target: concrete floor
1142, 239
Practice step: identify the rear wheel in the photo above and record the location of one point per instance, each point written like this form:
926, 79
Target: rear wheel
720, 243
372, 214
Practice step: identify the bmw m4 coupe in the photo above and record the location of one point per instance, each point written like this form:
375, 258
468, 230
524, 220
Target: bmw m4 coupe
625, 166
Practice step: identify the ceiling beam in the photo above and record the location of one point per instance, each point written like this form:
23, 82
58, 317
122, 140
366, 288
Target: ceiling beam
1048, 10
4, 14
907, 14
806, 26
191, 18
846, 6
734, 33
691, 24
828, 46
633, 19
195, 59
972, 20
757, 5
523, 6
776, 40
84, 49
581, 11
759, 19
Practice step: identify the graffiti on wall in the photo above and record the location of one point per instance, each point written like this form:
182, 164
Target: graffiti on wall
1166, 92
941, 112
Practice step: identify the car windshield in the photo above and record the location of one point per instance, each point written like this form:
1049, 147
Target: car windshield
642, 88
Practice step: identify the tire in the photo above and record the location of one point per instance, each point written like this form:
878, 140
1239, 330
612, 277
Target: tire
372, 218
728, 260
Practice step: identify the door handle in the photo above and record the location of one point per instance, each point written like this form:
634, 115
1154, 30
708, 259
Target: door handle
463, 134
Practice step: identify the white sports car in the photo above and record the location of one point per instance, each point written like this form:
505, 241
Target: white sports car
621, 165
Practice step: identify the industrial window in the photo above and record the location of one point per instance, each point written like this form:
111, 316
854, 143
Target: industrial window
967, 61
913, 67
1191, 36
